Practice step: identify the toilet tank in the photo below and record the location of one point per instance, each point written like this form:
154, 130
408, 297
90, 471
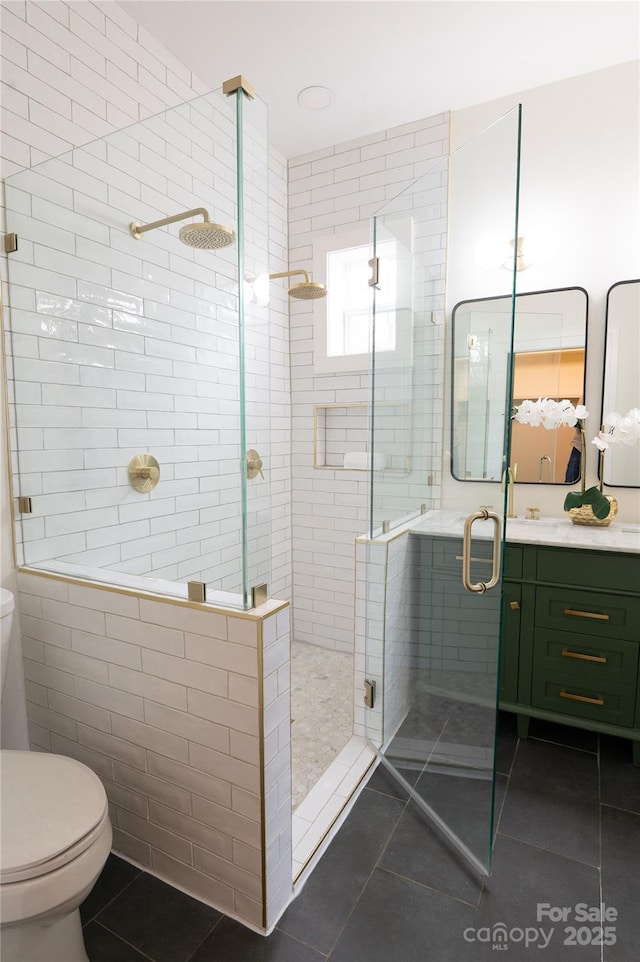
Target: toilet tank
6, 616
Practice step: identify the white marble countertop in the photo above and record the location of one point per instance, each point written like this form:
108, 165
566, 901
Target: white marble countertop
558, 532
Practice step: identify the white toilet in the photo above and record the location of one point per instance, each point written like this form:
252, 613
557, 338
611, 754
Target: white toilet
55, 839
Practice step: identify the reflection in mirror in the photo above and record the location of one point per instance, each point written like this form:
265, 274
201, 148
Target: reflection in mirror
621, 388
550, 338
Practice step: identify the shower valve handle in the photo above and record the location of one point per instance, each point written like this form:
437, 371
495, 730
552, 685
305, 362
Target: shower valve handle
254, 464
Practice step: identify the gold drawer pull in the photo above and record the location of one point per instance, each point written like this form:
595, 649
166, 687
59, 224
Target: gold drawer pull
589, 701
578, 654
586, 614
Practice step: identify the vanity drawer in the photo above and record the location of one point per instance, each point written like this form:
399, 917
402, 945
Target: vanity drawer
588, 613
587, 660
599, 701
587, 569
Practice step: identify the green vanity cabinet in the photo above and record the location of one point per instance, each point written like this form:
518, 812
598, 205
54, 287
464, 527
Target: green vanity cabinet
570, 641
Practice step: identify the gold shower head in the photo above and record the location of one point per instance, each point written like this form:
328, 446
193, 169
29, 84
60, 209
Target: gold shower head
308, 290
205, 236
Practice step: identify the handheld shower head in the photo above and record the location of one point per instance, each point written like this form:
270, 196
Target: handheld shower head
205, 236
308, 290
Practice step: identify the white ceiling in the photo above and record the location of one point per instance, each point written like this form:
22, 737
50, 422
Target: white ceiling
387, 62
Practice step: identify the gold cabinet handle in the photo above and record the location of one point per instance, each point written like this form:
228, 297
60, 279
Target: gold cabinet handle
589, 701
578, 654
514, 605
586, 614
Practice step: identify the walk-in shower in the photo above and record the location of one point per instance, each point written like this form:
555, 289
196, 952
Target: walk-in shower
140, 359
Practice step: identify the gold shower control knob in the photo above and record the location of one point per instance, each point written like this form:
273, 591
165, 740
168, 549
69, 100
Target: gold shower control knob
254, 464
144, 472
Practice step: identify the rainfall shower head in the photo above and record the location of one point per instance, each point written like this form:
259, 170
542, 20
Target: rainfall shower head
205, 236
308, 290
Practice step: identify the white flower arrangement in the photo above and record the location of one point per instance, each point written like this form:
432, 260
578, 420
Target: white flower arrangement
619, 429
550, 414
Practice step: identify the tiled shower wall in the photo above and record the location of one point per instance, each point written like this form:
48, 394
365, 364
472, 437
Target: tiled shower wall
71, 73
331, 190
387, 633
180, 710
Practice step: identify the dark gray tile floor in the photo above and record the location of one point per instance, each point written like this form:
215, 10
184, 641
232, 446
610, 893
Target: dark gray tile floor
388, 890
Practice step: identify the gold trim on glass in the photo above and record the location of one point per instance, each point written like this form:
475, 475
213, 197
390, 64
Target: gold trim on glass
578, 654
239, 83
596, 615
144, 472
150, 596
589, 701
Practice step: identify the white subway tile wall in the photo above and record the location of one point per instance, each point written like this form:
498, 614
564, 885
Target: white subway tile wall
123, 346
333, 188
181, 766
387, 637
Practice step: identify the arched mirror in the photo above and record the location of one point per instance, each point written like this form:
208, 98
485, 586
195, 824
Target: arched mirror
621, 385
549, 361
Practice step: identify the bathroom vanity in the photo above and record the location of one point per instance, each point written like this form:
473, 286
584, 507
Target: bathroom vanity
571, 638
570, 630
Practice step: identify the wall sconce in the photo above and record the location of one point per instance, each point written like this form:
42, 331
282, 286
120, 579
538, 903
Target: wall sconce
521, 262
493, 252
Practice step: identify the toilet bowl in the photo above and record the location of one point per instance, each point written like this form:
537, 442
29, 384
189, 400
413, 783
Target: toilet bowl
55, 836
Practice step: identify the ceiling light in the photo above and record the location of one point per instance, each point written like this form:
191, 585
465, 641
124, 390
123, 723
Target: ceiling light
315, 98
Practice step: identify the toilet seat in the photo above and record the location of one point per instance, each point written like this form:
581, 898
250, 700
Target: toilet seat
53, 809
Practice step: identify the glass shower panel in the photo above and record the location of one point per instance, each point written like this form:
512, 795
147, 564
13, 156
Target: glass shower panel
433, 630
122, 346
254, 342
408, 381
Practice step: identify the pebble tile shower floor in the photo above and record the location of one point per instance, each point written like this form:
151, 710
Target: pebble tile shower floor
322, 712
387, 890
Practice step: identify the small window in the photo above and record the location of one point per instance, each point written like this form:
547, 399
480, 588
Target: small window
349, 316
343, 320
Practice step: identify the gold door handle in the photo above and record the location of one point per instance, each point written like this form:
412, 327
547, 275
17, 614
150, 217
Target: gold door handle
480, 586
589, 701
578, 654
586, 614
254, 464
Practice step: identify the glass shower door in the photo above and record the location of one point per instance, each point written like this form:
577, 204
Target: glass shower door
436, 545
